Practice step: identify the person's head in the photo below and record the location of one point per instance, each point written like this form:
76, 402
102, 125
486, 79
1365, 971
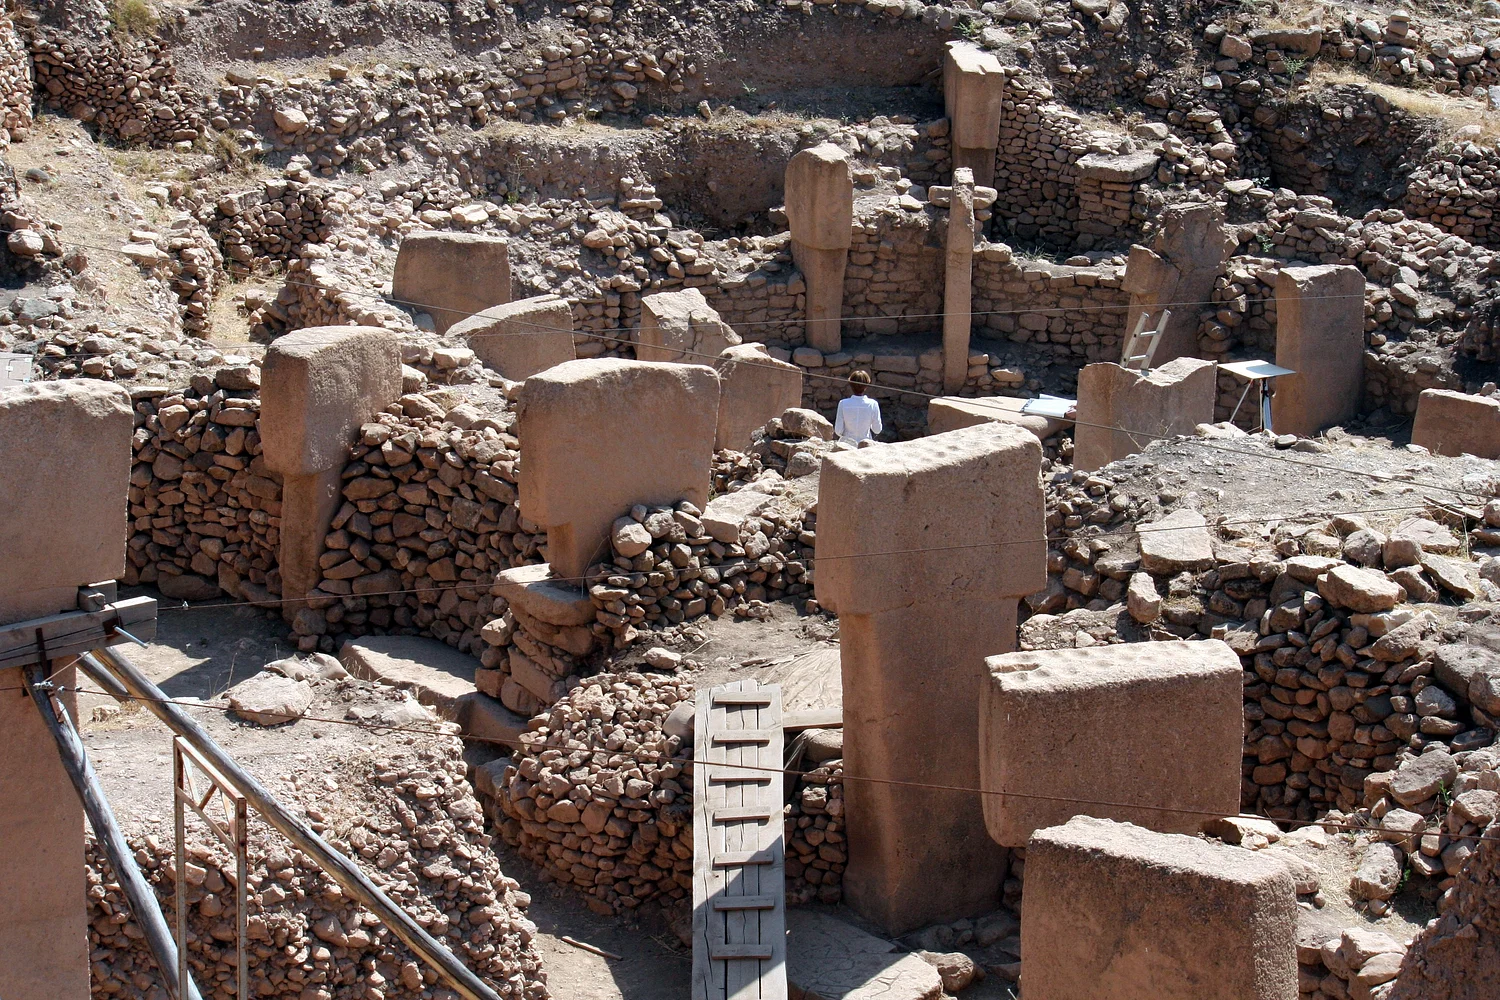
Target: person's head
859, 382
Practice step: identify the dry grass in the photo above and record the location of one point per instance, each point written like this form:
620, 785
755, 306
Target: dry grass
134, 18
1453, 112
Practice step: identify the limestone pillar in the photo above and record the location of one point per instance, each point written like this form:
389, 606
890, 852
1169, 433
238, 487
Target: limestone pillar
1177, 273
66, 446
1320, 335
317, 387
603, 434
921, 602
680, 326
958, 281
820, 209
519, 339
974, 98
1456, 423
451, 276
1121, 411
753, 388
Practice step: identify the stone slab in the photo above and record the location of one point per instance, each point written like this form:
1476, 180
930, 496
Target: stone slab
1120, 411
603, 434
65, 456
436, 673
451, 276
519, 339
951, 413
727, 513
753, 388
1111, 911
1456, 423
1320, 335
533, 591
680, 326
830, 959
483, 718
1085, 725
932, 504
1174, 543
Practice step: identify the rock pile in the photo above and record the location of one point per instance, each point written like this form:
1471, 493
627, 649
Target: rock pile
407, 814
205, 512
816, 849
15, 82
599, 794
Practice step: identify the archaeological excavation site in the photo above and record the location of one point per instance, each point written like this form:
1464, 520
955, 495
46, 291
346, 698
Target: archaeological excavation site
443, 444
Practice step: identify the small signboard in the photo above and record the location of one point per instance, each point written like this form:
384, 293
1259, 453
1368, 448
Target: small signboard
14, 369
1254, 369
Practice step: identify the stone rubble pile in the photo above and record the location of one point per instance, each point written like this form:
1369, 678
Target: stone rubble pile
407, 815
816, 848
598, 795
205, 512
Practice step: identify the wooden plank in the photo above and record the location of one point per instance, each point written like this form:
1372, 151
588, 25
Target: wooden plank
744, 813
741, 979
773, 984
708, 982
743, 736
722, 697
734, 951
73, 633
745, 903
732, 776
814, 718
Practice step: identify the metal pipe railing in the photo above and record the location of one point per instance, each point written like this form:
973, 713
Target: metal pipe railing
121, 678
138, 892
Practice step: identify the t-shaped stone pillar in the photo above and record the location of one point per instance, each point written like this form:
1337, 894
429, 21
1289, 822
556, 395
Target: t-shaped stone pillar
923, 549
65, 449
317, 387
753, 388
1176, 273
1120, 411
958, 281
1320, 335
681, 326
451, 276
974, 98
820, 208
602, 434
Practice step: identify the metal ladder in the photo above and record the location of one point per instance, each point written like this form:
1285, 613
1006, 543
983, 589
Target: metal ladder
739, 849
1141, 345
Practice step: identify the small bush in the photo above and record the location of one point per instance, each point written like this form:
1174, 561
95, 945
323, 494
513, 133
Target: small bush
135, 17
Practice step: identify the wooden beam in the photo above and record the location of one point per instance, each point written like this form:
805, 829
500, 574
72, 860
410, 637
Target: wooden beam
74, 633
814, 718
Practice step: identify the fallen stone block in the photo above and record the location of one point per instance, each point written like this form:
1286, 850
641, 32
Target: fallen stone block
1176, 543
727, 513
269, 699
1111, 911
533, 591
436, 673
1035, 703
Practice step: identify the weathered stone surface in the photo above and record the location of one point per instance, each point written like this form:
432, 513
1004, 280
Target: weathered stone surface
680, 326
1175, 543
1421, 779
436, 673
820, 197
519, 339
951, 413
1121, 411
974, 99
1379, 872
1123, 168
604, 434
753, 388
533, 591
828, 959
1455, 423
65, 451
1320, 335
451, 276
727, 513
269, 699
1361, 590
1035, 702
1114, 911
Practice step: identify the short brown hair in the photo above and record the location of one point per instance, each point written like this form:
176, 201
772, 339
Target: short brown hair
860, 377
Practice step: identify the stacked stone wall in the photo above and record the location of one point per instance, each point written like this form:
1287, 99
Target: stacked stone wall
16, 88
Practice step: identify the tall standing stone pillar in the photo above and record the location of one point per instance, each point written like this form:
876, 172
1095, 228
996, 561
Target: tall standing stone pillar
974, 98
820, 208
958, 281
1320, 335
924, 548
65, 447
1176, 273
317, 387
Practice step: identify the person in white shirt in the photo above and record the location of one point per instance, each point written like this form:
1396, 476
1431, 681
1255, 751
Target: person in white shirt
858, 418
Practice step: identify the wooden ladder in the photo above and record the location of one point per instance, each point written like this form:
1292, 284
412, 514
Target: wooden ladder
739, 849
1141, 345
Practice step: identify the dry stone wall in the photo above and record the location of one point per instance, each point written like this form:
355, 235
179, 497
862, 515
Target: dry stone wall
16, 90
127, 87
204, 510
